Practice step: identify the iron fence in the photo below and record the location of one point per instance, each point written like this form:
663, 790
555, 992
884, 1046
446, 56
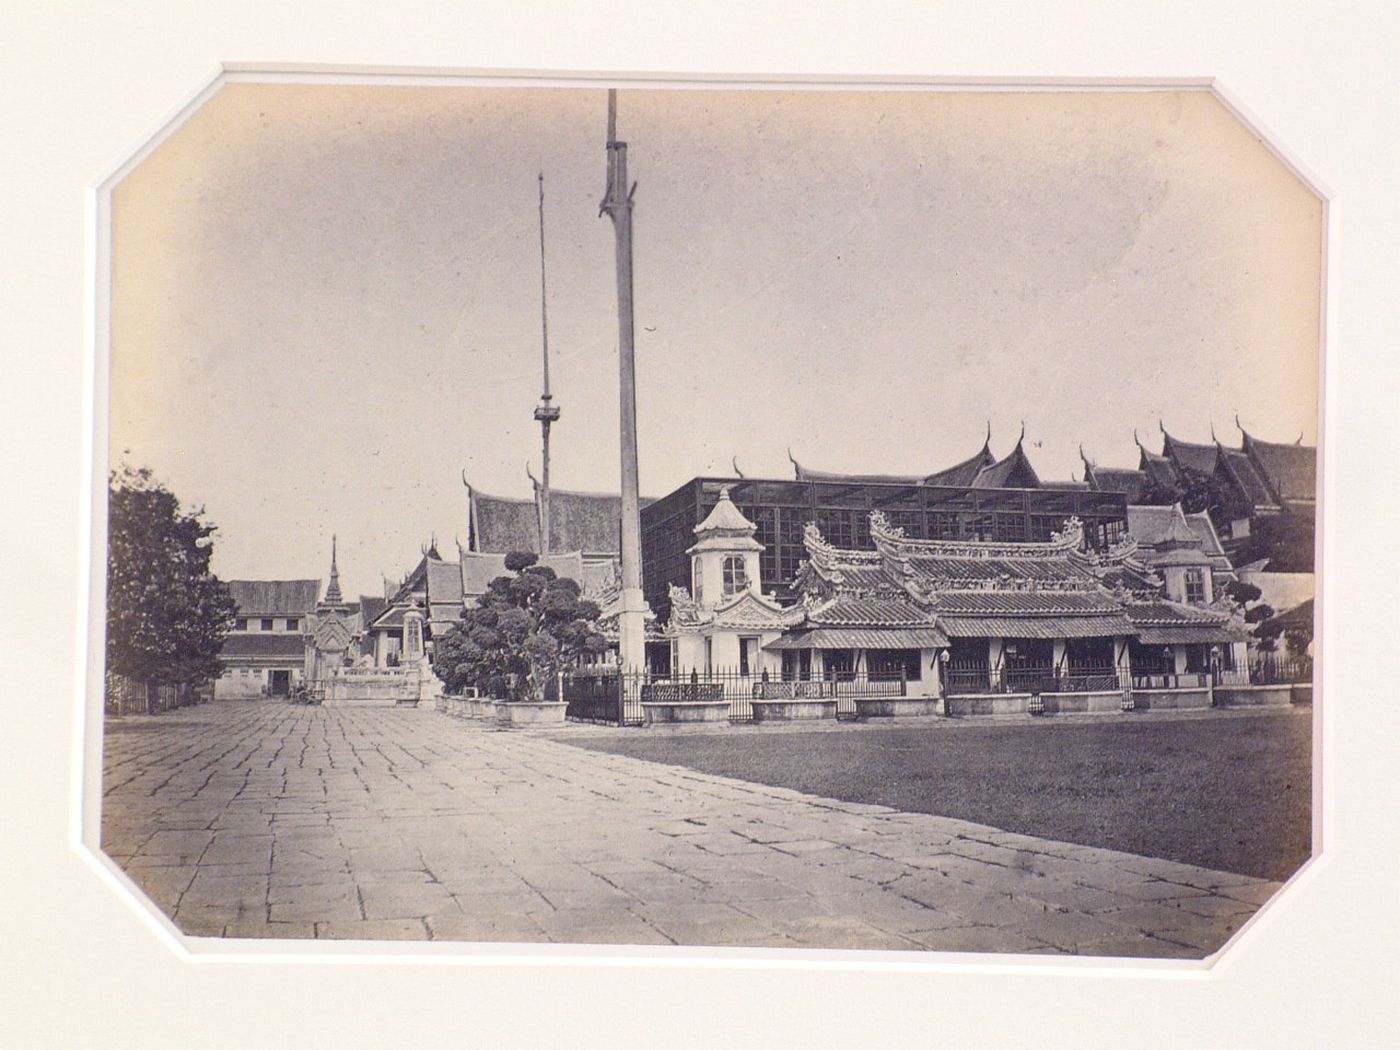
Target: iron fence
1172, 680
1275, 669
128, 696
977, 680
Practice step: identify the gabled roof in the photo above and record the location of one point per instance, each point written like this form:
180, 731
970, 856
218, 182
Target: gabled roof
1159, 470
444, 582
370, 607
959, 475
478, 570
1015, 471
274, 597
1196, 459
263, 645
1290, 470
1251, 484
590, 522
1132, 483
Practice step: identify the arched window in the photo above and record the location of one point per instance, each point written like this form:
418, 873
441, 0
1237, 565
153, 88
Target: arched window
735, 578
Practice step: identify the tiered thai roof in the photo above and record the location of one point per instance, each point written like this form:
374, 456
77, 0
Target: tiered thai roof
911, 592
1265, 477
1289, 470
980, 470
590, 522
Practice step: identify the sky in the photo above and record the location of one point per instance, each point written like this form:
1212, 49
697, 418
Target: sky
326, 298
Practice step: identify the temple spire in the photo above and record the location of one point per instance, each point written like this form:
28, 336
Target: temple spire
333, 587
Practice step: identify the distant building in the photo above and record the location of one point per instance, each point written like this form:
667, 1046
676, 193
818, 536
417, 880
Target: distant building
265, 653
427, 601
1260, 487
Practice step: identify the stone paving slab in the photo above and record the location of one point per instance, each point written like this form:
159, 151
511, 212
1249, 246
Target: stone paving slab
261, 819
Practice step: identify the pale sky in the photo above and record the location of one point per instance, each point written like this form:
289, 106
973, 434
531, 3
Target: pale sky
326, 298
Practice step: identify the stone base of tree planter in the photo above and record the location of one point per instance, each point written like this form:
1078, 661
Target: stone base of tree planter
898, 706
987, 704
479, 708
1254, 695
1171, 699
663, 712
1082, 703
549, 713
1302, 693
793, 710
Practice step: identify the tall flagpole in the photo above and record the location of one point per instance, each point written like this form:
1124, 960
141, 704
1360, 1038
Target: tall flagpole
617, 203
545, 412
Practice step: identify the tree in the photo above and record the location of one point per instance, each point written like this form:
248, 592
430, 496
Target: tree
167, 614
524, 630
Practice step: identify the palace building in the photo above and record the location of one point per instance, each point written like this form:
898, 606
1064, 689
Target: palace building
963, 620
979, 499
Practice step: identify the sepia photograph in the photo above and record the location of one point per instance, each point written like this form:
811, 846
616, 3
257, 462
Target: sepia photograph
774, 517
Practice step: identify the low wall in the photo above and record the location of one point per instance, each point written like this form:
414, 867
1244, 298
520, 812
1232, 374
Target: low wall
661, 712
1302, 692
897, 706
1254, 695
792, 710
1171, 699
987, 704
1099, 702
372, 688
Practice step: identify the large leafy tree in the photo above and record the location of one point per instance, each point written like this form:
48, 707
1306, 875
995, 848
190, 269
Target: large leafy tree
524, 630
167, 614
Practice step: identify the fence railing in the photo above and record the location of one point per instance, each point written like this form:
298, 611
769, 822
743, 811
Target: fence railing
617, 698
1172, 680
128, 696
974, 680
1274, 669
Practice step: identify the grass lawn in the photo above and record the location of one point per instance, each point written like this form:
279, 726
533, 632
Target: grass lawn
1228, 793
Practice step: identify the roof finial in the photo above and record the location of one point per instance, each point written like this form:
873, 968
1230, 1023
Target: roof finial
333, 586
530, 474
1023, 434
1300, 438
1238, 424
987, 443
734, 462
1213, 438
1084, 457
796, 467
465, 483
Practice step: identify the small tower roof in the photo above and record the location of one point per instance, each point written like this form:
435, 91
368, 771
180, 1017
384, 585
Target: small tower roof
725, 527
725, 516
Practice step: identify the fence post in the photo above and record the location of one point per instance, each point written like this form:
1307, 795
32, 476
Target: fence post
903, 680
621, 697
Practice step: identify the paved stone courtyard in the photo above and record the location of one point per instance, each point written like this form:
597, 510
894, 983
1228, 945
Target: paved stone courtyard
263, 819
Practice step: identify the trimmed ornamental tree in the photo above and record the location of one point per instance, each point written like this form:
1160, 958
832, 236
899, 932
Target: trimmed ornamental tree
523, 631
167, 613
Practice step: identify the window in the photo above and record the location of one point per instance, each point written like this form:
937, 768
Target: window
267, 625
748, 650
240, 624
1195, 587
293, 624
735, 578
698, 578
709, 655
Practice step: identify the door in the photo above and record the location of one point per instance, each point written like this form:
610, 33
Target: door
279, 683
